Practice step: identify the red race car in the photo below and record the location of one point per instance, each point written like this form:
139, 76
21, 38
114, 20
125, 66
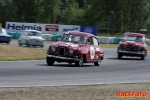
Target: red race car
132, 44
75, 47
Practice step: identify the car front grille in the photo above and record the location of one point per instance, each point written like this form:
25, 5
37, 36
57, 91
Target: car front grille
62, 51
2, 38
134, 48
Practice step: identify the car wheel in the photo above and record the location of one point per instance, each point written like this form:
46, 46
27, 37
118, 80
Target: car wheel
27, 43
49, 61
19, 43
119, 56
7, 42
42, 46
143, 57
98, 63
80, 62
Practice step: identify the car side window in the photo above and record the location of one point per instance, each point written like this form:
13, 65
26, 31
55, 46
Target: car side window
23, 34
4, 31
95, 41
90, 41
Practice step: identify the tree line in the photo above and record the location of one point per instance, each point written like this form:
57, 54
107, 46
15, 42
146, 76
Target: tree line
122, 15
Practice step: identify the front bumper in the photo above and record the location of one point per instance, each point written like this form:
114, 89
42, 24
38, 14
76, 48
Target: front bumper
60, 58
132, 53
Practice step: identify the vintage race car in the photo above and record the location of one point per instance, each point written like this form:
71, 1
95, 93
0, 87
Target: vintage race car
132, 44
4, 37
75, 47
31, 38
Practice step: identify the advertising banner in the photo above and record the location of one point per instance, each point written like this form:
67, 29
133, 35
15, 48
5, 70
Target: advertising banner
49, 28
65, 28
89, 29
44, 28
52, 28
16, 26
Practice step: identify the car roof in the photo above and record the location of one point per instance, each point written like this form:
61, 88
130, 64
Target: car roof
134, 34
79, 33
2, 28
32, 31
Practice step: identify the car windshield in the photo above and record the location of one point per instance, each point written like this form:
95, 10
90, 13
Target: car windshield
73, 38
34, 34
3, 31
133, 38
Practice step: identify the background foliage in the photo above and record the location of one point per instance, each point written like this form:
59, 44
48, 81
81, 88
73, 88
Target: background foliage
111, 16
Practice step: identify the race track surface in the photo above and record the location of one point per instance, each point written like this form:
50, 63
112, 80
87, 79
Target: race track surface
111, 71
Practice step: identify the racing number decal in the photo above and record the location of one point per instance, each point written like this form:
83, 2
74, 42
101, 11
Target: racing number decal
92, 52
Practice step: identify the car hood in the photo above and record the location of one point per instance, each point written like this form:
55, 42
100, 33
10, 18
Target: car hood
66, 44
5, 35
36, 37
133, 43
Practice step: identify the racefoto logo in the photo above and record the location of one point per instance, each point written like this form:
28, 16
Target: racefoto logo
52, 28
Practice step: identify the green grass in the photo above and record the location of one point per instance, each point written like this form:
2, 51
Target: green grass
12, 53
109, 45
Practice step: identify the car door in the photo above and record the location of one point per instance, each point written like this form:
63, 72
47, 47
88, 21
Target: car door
91, 51
22, 38
93, 48
96, 48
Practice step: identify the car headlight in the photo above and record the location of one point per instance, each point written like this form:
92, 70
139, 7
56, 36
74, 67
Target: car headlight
53, 48
71, 51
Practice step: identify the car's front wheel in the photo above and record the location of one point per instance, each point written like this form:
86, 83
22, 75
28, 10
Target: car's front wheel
80, 62
98, 63
19, 43
7, 42
143, 57
27, 44
49, 61
119, 56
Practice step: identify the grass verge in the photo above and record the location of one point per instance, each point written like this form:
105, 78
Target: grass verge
12, 53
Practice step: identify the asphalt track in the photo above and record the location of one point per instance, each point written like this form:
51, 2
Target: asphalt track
111, 71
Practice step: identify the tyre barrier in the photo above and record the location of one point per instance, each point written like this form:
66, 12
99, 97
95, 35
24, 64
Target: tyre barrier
51, 37
47, 37
109, 40
14, 35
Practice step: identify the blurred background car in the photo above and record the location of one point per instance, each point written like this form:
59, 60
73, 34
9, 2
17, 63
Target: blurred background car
132, 44
4, 37
31, 38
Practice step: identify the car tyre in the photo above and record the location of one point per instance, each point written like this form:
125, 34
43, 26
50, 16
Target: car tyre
49, 61
27, 44
7, 42
143, 57
80, 62
119, 56
42, 46
19, 43
98, 63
